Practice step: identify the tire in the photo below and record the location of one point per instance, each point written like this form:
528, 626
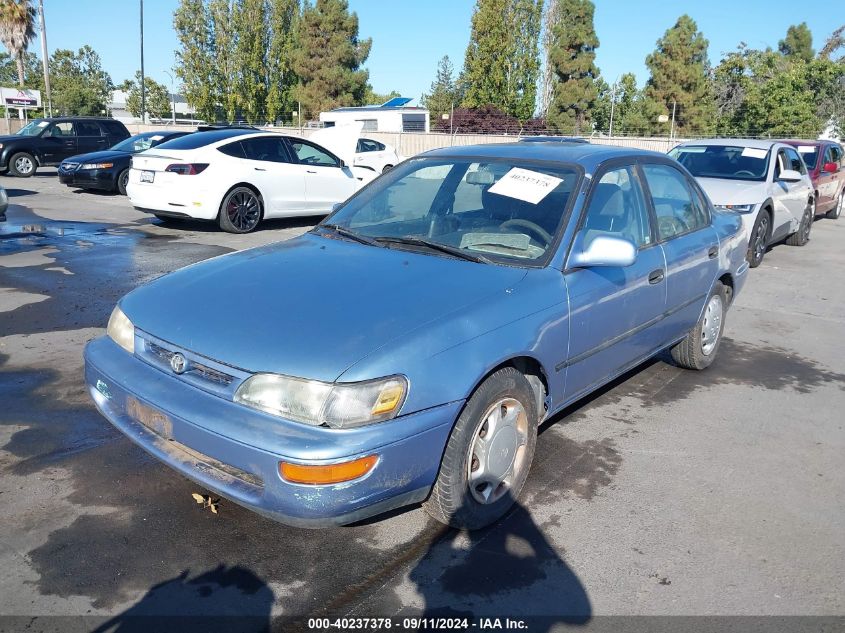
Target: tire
386, 169
699, 348
836, 211
240, 211
22, 165
506, 401
759, 239
802, 235
122, 181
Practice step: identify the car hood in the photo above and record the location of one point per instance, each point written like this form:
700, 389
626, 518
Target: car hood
341, 140
97, 157
308, 307
723, 191
8, 138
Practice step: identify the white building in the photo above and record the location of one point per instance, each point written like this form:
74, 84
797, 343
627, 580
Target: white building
392, 116
117, 109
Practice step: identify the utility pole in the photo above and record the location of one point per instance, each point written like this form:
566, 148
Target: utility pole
612, 105
44, 58
172, 97
143, 87
672, 131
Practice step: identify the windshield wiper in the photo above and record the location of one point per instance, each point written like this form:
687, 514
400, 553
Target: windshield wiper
435, 246
352, 235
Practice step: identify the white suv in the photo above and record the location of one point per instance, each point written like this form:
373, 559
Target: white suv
765, 181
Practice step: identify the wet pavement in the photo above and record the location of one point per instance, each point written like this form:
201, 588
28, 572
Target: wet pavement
669, 492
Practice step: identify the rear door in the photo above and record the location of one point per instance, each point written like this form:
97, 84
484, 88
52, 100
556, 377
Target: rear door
268, 165
326, 181
690, 246
90, 137
614, 311
59, 141
827, 181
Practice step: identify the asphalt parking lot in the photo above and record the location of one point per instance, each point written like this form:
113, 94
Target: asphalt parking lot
668, 493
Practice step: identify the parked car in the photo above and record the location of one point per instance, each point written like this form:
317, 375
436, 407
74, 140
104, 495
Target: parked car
407, 348
49, 141
375, 155
239, 176
108, 170
827, 174
4, 203
765, 181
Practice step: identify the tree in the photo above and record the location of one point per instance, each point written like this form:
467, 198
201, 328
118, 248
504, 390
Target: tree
798, 43
443, 94
157, 97
680, 80
501, 66
283, 20
249, 19
572, 54
226, 76
835, 42
17, 30
329, 57
79, 83
195, 59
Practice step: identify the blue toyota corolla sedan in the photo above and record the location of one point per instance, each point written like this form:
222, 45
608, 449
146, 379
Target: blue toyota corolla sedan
407, 348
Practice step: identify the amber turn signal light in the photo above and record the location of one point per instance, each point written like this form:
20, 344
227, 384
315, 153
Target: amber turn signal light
327, 473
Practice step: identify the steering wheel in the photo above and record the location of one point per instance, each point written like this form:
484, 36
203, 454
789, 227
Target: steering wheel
744, 172
669, 226
535, 228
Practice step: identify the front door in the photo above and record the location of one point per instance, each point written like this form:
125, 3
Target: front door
59, 142
327, 181
614, 310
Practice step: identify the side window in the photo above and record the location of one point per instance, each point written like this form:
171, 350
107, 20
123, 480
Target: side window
266, 148
233, 149
837, 155
676, 209
380, 147
88, 128
794, 161
61, 129
310, 154
617, 207
366, 145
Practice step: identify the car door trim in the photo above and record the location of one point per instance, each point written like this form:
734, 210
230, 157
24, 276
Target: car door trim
634, 330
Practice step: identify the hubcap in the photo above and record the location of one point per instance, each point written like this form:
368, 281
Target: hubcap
23, 165
243, 210
760, 237
808, 221
497, 453
712, 326
840, 204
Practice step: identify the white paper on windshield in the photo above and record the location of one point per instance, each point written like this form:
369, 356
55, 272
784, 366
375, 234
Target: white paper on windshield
753, 152
43, 123
157, 137
806, 149
524, 184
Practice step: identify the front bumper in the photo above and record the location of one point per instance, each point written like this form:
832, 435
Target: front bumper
89, 179
235, 451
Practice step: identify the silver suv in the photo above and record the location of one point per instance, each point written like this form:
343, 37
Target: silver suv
765, 181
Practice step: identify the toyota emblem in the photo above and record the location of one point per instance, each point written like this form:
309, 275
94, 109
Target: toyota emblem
178, 363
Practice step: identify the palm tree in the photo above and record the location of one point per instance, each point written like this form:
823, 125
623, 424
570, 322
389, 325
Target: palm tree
17, 29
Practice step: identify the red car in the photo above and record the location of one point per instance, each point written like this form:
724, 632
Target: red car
827, 174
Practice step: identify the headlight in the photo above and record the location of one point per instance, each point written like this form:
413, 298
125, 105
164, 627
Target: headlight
96, 165
337, 405
739, 208
121, 330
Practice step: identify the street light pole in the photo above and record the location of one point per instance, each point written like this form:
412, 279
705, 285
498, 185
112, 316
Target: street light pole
612, 105
44, 57
143, 87
172, 98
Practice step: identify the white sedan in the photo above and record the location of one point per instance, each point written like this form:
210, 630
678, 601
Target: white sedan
240, 176
379, 157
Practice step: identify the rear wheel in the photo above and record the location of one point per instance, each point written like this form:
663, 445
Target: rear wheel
836, 211
759, 239
802, 235
122, 181
22, 165
699, 347
488, 455
240, 211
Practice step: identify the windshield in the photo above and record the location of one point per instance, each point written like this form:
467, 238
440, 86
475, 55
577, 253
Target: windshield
495, 210
33, 128
810, 154
723, 161
139, 142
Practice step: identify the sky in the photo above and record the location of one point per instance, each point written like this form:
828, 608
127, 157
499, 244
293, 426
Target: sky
409, 37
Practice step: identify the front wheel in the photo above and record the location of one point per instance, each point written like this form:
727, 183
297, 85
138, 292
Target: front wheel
836, 211
759, 239
698, 349
488, 455
122, 181
240, 211
802, 235
22, 165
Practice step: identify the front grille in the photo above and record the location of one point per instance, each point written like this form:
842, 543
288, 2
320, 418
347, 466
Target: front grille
202, 371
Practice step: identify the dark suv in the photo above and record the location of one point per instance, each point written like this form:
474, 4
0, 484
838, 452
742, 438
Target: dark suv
49, 141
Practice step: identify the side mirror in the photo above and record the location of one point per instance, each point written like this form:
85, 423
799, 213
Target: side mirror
601, 250
831, 168
342, 164
790, 175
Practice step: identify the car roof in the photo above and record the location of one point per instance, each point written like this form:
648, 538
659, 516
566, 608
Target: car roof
756, 143
816, 143
585, 153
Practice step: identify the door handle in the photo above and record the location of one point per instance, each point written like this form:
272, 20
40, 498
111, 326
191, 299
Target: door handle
259, 169
310, 171
655, 276
713, 252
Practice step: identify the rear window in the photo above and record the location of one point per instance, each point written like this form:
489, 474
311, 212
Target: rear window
201, 139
